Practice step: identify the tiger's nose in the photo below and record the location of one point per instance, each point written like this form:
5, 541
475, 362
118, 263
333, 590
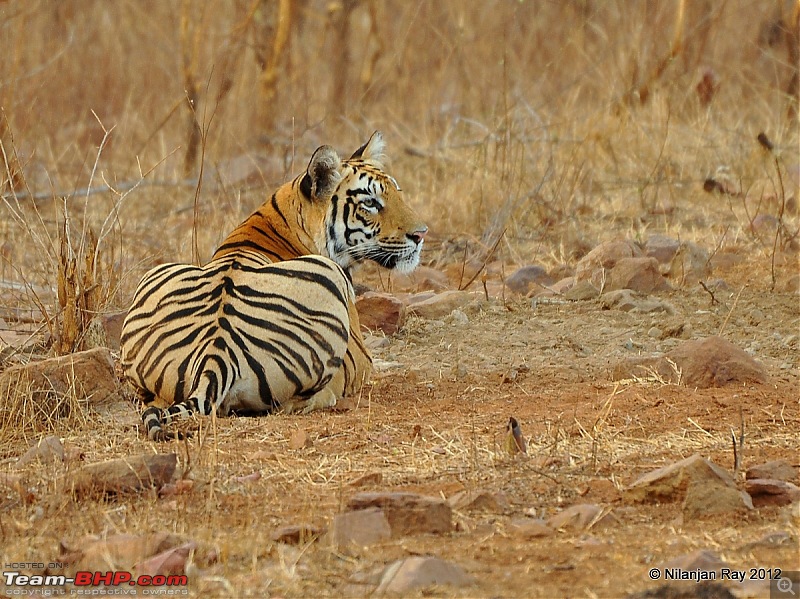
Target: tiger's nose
418, 235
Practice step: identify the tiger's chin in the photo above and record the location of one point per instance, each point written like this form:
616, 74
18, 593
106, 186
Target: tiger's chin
403, 262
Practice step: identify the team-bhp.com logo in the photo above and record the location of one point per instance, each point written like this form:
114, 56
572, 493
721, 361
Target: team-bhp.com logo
94, 583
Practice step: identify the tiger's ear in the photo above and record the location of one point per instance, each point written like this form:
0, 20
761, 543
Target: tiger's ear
372, 151
322, 175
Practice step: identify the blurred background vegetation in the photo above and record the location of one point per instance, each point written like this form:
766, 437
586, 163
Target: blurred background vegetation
536, 119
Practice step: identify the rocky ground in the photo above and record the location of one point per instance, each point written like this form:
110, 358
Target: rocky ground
586, 431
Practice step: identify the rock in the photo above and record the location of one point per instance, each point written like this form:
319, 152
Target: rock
48, 450
775, 469
577, 517
416, 572
530, 528
441, 304
104, 330
631, 301
360, 528
644, 367
662, 248
582, 291
690, 265
480, 500
563, 285
407, 513
603, 258
296, 534
125, 475
710, 362
417, 297
715, 362
380, 312
766, 491
703, 499
86, 375
702, 486
528, 278
638, 274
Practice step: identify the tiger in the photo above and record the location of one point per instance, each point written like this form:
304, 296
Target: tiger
248, 353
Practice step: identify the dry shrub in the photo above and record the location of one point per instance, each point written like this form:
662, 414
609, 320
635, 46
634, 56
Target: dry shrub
27, 410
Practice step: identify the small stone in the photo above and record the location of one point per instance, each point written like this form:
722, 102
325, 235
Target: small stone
131, 474
662, 248
360, 528
631, 301
296, 534
416, 572
765, 491
577, 517
582, 291
655, 333
480, 500
715, 362
702, 486
524, 279
441, 304
603, 258
690, 265
88, 375
563, 285
380, 312
407, 513
775, 469
638, 274
530, 528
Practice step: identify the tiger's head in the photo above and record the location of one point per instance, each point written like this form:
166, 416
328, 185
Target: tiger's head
365, 215
349, 210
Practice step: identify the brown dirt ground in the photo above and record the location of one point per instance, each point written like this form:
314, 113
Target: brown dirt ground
457, 383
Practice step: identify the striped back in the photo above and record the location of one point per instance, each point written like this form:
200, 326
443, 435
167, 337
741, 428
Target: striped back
239, 333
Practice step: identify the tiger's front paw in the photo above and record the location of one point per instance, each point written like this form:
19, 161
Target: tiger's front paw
320, 401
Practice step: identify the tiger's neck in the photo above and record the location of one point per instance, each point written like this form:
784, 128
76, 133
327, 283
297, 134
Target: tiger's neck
284, 227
